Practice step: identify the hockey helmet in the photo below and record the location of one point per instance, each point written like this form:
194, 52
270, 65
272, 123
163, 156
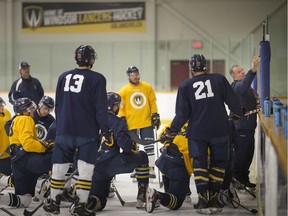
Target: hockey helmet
47, 101
24, 104
131, 69
113, 99
85, 55
197, 63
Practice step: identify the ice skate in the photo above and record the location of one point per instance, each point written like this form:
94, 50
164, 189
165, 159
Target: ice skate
215, 204
80, 209
152, 198
52, 207
141, 196
202, 207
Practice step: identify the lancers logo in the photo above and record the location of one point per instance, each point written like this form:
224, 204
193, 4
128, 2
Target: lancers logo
33, 16
138, 100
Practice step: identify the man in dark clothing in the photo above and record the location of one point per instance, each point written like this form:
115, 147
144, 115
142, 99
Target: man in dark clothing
26, 86
201, 101
245, 128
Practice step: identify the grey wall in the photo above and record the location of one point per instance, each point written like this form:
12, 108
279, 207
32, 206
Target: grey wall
230, 30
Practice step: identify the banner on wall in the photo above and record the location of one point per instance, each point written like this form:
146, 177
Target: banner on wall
85, 17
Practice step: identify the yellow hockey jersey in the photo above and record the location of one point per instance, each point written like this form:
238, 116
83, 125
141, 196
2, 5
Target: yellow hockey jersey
4, 139
138, 104
182, 143
23, 132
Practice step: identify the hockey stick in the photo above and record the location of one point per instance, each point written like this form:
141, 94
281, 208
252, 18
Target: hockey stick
30, 213
134, 137
157, 152
7, 212
253, 211
252, 112
241, 186
245, 114
123, 203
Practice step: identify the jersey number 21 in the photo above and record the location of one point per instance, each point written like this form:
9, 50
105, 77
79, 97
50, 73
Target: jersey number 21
201, 91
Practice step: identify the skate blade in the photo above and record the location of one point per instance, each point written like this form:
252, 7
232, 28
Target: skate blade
215, 210
140, 205
209, 211
205, 211
50, 214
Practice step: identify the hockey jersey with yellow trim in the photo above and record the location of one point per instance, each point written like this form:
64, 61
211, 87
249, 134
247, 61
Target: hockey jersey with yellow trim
182, 143
138, 104
23, 132
4, 139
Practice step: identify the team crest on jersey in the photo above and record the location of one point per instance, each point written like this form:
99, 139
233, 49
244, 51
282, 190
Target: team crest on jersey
138, 100
41, 132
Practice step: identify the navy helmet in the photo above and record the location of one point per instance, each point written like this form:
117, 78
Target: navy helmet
47, 101
113, 99
131, 69
85, 55
197, 63
22, 105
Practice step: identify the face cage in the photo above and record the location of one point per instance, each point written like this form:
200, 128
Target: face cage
32, 107
49, 108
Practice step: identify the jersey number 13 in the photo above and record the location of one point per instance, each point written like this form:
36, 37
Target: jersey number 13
76, 86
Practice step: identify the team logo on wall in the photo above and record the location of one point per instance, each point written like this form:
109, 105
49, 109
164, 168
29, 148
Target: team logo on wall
138, 100
77, 17
33, 16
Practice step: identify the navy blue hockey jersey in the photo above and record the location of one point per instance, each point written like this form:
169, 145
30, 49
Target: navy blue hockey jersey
201, 101
121, 139
81, 103
42, 125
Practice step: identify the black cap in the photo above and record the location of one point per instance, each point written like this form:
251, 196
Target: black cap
23, 65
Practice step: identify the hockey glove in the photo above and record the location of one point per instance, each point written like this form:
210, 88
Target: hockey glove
155, 120
48, 144
109, 138
172, 149
135, 147
167, 136
235, 117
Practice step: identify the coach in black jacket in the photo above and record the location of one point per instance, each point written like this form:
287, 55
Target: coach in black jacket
26, 86
245, 128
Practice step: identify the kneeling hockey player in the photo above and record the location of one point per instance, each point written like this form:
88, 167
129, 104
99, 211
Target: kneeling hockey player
176, 165
111, 162
30, 158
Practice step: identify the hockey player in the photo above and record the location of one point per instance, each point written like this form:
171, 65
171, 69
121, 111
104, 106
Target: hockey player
111, 161
140, 111
30, 158
42, 117
201, 101
81, 112
176, 165
5, 163
43, 120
